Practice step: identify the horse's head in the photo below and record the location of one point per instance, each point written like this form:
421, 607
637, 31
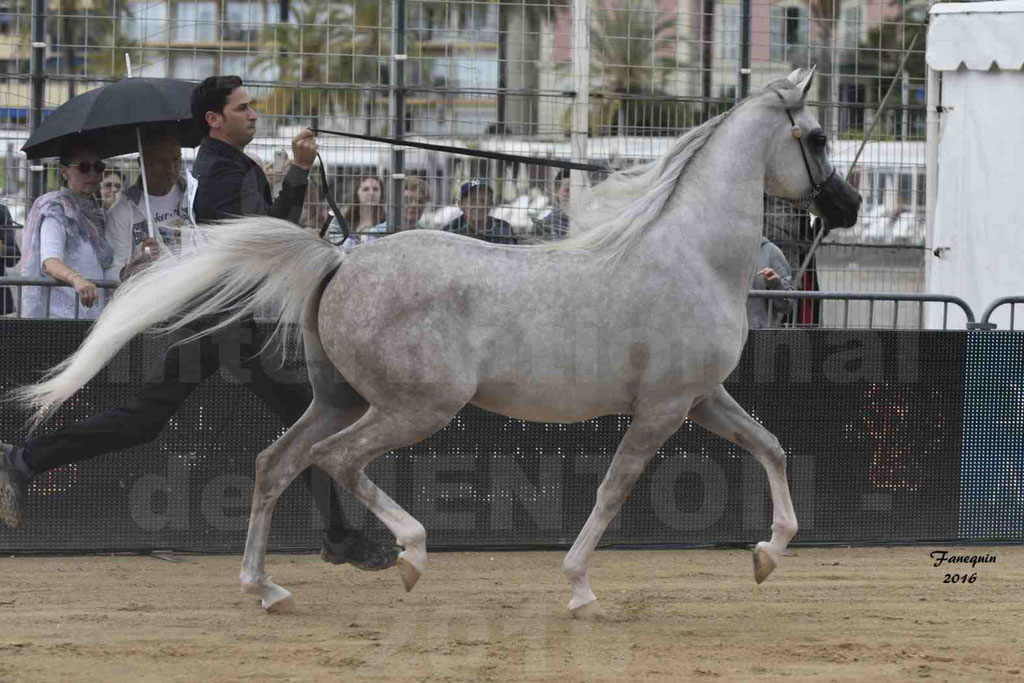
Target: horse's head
798, 164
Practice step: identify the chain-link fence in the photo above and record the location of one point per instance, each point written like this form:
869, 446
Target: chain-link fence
601, 81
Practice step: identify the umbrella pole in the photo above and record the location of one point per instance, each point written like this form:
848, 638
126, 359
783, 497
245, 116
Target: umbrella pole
145, 185
142, 162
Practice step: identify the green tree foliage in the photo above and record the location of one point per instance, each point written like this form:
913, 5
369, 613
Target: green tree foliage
632, 54
326, 42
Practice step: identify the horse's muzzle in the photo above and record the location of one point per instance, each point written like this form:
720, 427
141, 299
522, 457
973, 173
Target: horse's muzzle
838, 203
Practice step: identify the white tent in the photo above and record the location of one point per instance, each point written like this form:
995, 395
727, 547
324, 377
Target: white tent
977, 154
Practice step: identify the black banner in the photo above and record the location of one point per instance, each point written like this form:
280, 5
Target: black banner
872, 422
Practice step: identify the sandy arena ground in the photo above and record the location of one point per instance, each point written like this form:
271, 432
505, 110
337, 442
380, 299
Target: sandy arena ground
835, 614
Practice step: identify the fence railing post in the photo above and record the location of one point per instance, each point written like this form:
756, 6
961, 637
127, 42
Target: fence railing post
581, 92
397, 105
38, 179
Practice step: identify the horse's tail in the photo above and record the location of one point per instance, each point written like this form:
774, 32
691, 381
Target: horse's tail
242, 266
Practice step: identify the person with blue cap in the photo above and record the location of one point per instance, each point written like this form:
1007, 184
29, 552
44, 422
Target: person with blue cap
476, 199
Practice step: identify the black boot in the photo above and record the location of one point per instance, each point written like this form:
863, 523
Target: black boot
356, 549
13, 486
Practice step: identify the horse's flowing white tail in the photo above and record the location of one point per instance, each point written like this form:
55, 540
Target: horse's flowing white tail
242, 266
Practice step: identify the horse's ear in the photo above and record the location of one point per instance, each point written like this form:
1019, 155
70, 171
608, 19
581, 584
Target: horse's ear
802, 80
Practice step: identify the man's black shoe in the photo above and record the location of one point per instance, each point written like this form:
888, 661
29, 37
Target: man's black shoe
358, 550
13, 485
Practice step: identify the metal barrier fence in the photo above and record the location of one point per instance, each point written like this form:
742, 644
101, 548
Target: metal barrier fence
1011, 301
881, 307
837, 310
892, 436
607, 82
12, 291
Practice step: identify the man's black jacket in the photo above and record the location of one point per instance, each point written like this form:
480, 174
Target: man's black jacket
233, 185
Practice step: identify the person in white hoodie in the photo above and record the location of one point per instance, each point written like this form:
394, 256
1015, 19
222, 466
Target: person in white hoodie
171, 191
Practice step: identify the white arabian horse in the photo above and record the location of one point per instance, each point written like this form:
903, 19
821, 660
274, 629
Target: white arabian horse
642, 312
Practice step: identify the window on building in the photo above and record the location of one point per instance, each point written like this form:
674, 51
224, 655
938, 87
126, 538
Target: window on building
192, 65
727, 45
479, 20
855, 180
153, 65
906, 190
245, 64
850, 27
145, 22
852, 118
788, 29
883, 186
195, 22
470, 71
244, 21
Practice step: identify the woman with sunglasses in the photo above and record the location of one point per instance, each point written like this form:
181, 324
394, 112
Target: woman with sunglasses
63, 239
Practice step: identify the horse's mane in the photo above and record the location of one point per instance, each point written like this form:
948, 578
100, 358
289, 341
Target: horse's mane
613, 215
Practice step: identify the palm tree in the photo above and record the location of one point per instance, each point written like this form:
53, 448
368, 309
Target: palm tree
629, 56
326, 42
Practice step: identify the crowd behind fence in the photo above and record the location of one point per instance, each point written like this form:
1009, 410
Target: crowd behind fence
608, 82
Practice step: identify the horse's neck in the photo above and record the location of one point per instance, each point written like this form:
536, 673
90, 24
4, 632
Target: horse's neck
715, 212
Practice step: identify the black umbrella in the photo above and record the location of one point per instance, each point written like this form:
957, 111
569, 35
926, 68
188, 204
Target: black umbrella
109, 117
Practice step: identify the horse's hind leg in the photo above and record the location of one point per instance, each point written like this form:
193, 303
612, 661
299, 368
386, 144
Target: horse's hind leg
651, 426
345, 456
720, 414
276, 467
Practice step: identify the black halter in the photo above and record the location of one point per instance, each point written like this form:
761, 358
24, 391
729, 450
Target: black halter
816, 188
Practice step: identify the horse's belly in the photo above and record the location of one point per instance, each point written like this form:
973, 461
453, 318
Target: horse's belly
551, 403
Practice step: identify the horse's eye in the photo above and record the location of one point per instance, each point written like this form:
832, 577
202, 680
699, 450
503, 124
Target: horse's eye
820, 141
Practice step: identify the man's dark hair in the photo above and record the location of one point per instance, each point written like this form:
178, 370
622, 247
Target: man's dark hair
211, 95
70, 147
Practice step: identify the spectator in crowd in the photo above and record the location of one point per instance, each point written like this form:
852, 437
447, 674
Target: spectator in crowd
789, 227
9, 254
772, 273
63, 238
364, 216
415, 199
276, 169
229, 184
556, 224
314, 210
475, 200
110, 187
171, 191
366, 213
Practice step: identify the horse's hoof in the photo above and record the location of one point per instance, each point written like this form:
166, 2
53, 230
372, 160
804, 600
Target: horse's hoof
588, 611
765, 561
410, 575
280, 605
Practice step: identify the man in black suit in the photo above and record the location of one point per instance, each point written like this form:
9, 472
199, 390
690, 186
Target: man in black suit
229, 185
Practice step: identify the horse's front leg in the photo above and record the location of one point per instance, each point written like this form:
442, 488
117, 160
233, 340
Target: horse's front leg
652, 425
720, 414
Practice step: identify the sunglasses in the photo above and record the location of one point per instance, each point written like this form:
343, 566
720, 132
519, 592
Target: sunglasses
88, 166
